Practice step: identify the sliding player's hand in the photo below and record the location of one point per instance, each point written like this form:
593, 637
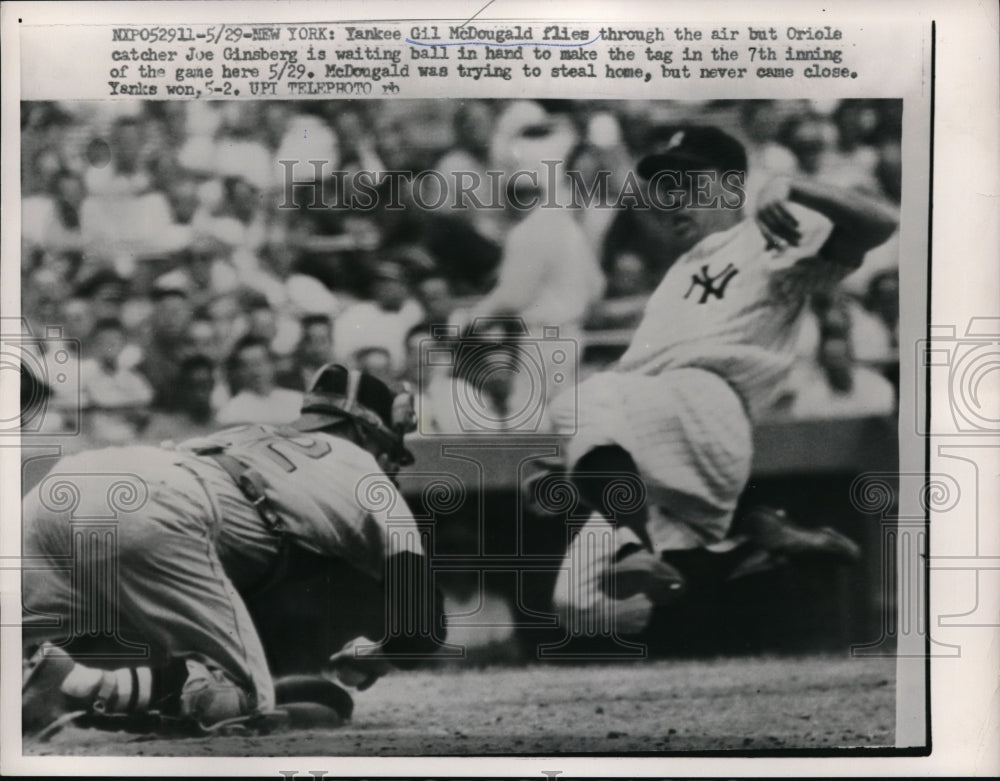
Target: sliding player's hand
773, 216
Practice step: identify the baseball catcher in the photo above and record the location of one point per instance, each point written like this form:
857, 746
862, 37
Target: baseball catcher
717, 338
222, 520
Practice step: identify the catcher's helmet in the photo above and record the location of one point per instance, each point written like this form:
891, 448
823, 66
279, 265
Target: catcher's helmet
336, 393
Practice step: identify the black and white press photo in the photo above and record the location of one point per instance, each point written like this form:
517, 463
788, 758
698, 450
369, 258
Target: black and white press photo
481, 387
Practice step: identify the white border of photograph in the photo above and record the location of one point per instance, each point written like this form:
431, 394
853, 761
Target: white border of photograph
964, 688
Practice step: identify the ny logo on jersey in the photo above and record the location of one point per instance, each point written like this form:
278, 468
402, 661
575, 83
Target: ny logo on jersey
712, 286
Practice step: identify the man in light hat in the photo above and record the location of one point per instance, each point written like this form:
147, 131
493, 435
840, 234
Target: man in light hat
203, 527
549, 275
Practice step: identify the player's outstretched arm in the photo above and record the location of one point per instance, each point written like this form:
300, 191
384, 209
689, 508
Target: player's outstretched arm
412, 614
861, 222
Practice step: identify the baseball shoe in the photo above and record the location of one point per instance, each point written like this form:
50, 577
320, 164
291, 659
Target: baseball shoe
45, 708
210, 703
771, 530
757, 562
210, 697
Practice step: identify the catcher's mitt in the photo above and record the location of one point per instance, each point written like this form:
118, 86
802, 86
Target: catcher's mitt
310, 700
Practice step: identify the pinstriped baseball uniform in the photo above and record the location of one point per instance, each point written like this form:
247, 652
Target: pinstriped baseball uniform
716, 340
732, 305
185, 555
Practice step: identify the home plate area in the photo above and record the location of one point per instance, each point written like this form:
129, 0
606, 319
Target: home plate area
817, 704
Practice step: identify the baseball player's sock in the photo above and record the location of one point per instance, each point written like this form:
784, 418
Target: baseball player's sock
82, 682
185, 688
125, 690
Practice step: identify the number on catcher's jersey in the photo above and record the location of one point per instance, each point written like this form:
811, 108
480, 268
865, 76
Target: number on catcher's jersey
281, 450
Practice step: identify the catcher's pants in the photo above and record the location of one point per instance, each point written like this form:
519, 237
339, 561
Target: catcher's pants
120, 548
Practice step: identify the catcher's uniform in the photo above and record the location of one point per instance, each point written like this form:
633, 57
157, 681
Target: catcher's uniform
714, 345
192, 543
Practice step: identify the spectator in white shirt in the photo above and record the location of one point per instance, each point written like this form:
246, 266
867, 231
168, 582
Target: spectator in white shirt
549, 277
115, 398
314, 350
256, 398
193, 413
238, 222
376, 362
433, 383
239, 148
202, 340
382, 322
126, 175
275, 328
549, 272
53, 222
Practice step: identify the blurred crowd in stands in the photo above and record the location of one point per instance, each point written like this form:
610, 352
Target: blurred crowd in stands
160, 237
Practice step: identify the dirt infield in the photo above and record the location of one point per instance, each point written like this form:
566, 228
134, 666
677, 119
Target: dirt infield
816, 703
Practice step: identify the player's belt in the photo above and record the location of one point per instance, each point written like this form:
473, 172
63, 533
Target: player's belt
252, 485
254, 488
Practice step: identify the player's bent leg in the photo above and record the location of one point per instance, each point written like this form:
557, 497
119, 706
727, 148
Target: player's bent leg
57, 689
692, 441
176, 594
585, 597
170, 589
47, 598
608, 482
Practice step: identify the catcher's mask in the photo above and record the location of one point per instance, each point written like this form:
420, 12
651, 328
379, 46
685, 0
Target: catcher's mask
337, 393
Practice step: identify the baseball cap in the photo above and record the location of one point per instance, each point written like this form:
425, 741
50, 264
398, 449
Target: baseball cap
693, 147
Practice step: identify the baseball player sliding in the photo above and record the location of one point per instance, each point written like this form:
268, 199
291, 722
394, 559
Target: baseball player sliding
224, 518
715, 342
